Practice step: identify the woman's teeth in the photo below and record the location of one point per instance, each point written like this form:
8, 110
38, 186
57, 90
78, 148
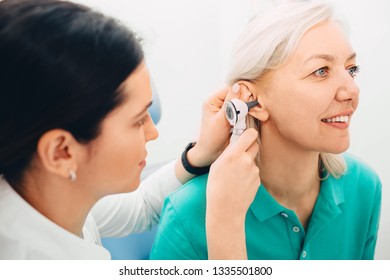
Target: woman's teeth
337, 119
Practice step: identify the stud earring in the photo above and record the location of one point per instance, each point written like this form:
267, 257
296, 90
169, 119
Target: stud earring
72, 175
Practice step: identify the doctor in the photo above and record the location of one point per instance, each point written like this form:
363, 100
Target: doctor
74, 123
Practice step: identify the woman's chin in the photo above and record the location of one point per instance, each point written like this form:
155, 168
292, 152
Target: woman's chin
338, 148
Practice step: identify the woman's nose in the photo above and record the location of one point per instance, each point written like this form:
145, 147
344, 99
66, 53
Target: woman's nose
151, 132
348, 90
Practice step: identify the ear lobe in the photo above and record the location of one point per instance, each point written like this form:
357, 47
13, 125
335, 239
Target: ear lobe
56, 151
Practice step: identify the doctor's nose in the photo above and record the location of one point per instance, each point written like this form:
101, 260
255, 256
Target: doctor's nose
151, 132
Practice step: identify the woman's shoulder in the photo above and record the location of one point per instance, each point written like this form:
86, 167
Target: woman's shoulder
359, 168
191, 195
361, 175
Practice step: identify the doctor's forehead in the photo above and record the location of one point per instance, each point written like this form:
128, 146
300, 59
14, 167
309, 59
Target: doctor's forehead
136, 89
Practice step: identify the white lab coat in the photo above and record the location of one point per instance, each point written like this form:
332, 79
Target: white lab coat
27, 234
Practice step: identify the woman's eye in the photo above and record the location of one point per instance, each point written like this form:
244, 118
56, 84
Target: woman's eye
353, 71
322, 72
143, 120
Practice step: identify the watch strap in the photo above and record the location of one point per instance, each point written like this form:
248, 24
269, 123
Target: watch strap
188, 167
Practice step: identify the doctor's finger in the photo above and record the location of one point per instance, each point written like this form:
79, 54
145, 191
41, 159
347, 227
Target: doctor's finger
218, 98
245, 141
233, 92
253, 150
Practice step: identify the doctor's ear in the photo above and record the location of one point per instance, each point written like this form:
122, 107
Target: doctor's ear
250, 92
56, 151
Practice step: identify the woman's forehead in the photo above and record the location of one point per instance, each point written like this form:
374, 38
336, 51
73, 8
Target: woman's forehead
326, 41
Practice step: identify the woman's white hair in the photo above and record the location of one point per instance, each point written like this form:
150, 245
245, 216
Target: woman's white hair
269, 40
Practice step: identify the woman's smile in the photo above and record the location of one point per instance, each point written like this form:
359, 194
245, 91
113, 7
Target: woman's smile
340, 120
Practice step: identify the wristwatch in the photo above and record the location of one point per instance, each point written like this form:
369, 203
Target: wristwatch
188, 167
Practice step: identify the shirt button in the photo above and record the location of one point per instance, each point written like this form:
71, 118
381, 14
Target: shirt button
296, 229
284, 215
304, 254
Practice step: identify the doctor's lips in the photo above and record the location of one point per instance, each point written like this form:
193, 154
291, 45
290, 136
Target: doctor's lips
342, 117
142, 163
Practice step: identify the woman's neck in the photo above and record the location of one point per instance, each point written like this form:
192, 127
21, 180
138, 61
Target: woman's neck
61, 201
291, 176
288, 175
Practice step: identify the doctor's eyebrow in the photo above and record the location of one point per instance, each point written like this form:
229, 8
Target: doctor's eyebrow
144, 110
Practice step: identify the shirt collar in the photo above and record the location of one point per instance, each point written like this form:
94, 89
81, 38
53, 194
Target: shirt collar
332, 189
264, 206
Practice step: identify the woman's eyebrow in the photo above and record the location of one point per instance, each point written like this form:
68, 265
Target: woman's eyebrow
143, 110
352, 56
321, 56
327, 57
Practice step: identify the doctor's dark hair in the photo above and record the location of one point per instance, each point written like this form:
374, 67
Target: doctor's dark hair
61, 66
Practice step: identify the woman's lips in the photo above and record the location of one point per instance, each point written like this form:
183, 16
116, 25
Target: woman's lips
142, 164
340, 125
340, 120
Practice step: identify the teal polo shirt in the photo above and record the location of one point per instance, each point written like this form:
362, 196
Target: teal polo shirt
343, 225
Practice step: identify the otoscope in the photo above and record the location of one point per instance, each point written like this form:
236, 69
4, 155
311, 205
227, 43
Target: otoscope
235, 112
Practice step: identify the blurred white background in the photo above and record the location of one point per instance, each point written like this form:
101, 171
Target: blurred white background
187, 46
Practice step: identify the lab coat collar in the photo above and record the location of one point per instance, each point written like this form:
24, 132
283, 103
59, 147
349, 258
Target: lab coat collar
30, 235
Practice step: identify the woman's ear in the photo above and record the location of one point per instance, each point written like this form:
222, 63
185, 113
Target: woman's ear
252, 92
249, 87
259, 112
56, 150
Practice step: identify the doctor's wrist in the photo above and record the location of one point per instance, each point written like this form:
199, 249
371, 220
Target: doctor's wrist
194, 162
187, 166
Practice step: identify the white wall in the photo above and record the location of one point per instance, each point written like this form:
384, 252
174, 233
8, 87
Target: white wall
187, 45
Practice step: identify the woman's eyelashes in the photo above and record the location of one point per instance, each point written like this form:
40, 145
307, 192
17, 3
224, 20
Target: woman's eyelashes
142, 121
353, 70
321, 73
324, 72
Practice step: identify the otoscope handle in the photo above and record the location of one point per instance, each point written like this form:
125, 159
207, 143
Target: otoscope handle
236, 134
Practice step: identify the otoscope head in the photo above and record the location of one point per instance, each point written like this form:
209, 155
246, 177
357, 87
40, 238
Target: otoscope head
236, 110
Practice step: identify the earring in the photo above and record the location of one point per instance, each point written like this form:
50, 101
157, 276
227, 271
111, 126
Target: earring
72, 175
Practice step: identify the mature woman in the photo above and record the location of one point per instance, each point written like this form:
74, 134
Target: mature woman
313, 202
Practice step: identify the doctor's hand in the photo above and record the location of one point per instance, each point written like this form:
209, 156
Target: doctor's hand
231, 188
214, 134
215, 129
